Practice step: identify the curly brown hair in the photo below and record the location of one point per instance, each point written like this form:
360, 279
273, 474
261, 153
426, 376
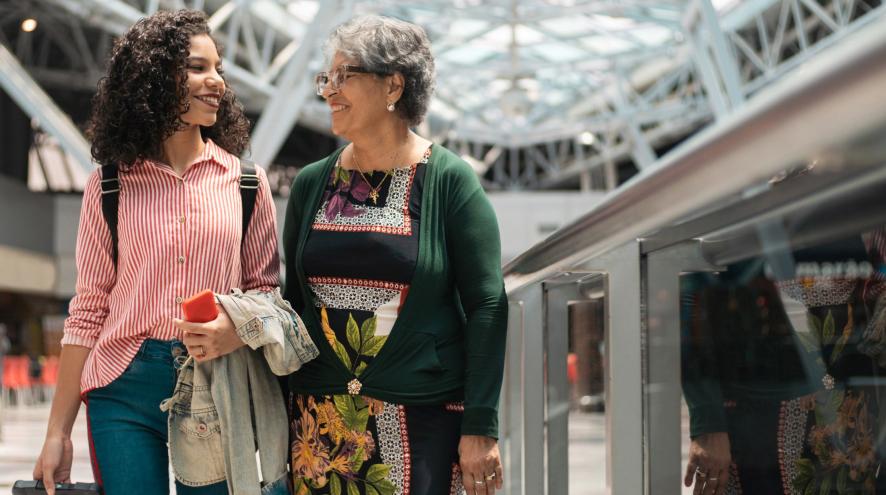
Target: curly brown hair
139, 103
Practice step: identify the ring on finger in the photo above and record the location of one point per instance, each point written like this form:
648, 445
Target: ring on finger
490, 476
479, 482
700, 473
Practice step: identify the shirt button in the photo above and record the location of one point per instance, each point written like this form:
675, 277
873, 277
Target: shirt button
178, 300
181, 259
181, 219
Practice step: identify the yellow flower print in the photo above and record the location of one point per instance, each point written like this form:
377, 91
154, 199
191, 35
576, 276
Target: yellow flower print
327, 330
310, 456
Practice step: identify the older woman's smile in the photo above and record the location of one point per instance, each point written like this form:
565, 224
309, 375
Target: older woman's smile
337, 107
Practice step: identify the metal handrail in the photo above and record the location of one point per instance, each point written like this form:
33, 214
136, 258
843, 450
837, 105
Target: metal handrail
769, 134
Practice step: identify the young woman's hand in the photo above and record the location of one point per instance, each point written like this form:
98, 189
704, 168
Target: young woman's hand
212, 339
54, 464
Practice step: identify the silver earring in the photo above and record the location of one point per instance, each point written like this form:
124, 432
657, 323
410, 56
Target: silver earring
390, 107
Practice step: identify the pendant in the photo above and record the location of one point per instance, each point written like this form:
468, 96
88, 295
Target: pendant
373, 195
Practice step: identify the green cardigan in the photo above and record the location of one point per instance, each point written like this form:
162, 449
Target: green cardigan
448, 342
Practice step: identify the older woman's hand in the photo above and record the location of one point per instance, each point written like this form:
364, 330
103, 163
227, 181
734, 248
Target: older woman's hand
212, 339
709, 461
480, 464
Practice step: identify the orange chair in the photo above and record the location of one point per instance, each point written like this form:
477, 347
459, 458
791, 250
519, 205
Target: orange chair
49, 377
49, 373
572, 367
17, 379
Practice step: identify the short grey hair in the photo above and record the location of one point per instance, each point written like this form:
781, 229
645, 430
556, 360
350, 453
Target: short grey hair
385, 45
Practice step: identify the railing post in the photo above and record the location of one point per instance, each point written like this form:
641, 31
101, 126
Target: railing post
623, 377
533, 392
556, 336
511, 410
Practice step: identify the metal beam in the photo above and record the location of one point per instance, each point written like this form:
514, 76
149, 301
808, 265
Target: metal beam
641, 151
728, 68
293, 88
16, 81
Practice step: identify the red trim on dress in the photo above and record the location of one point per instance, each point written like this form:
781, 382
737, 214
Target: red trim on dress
454, 485
785, 481
377, 284
734, 480
407, 456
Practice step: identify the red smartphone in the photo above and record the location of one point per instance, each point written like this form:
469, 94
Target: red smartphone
200, 307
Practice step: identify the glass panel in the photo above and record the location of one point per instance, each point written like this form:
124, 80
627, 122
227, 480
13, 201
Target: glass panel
585, 372
783, 352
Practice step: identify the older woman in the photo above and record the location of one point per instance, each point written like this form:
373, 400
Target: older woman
393, 257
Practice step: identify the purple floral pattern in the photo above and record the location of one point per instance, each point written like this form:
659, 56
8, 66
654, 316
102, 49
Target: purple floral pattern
344, 183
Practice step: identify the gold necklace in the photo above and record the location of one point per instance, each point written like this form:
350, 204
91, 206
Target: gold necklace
373, 191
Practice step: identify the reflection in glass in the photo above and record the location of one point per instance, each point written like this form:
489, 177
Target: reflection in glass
587, 417
782, 358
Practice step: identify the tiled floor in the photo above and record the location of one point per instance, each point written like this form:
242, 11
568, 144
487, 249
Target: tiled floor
21, 437
23, 429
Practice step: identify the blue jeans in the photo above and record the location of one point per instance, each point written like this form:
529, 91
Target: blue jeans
128, 431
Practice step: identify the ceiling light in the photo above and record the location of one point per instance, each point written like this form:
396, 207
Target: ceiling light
28, 25
587, 138
515, 102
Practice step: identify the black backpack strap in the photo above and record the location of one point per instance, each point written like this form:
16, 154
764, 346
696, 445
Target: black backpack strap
248, 191
110, 202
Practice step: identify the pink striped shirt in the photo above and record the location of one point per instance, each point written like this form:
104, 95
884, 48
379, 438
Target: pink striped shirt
177, 236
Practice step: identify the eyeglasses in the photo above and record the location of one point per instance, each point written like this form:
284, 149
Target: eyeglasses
337, 77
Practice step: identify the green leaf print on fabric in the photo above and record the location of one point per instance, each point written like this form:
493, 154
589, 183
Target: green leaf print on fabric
360, 369
827, 331
385, 487
377, 473
342, 354
844, 338
353, 333
334, 485
360, 339
354, 419
843, 480
825, 487
804, 476
371, 343
341, 175
374, 345
367, 330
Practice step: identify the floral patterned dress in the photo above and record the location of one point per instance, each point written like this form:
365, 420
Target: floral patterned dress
802, 391
831, 441
360, 257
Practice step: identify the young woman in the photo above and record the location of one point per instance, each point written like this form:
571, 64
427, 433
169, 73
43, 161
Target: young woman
165, 118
